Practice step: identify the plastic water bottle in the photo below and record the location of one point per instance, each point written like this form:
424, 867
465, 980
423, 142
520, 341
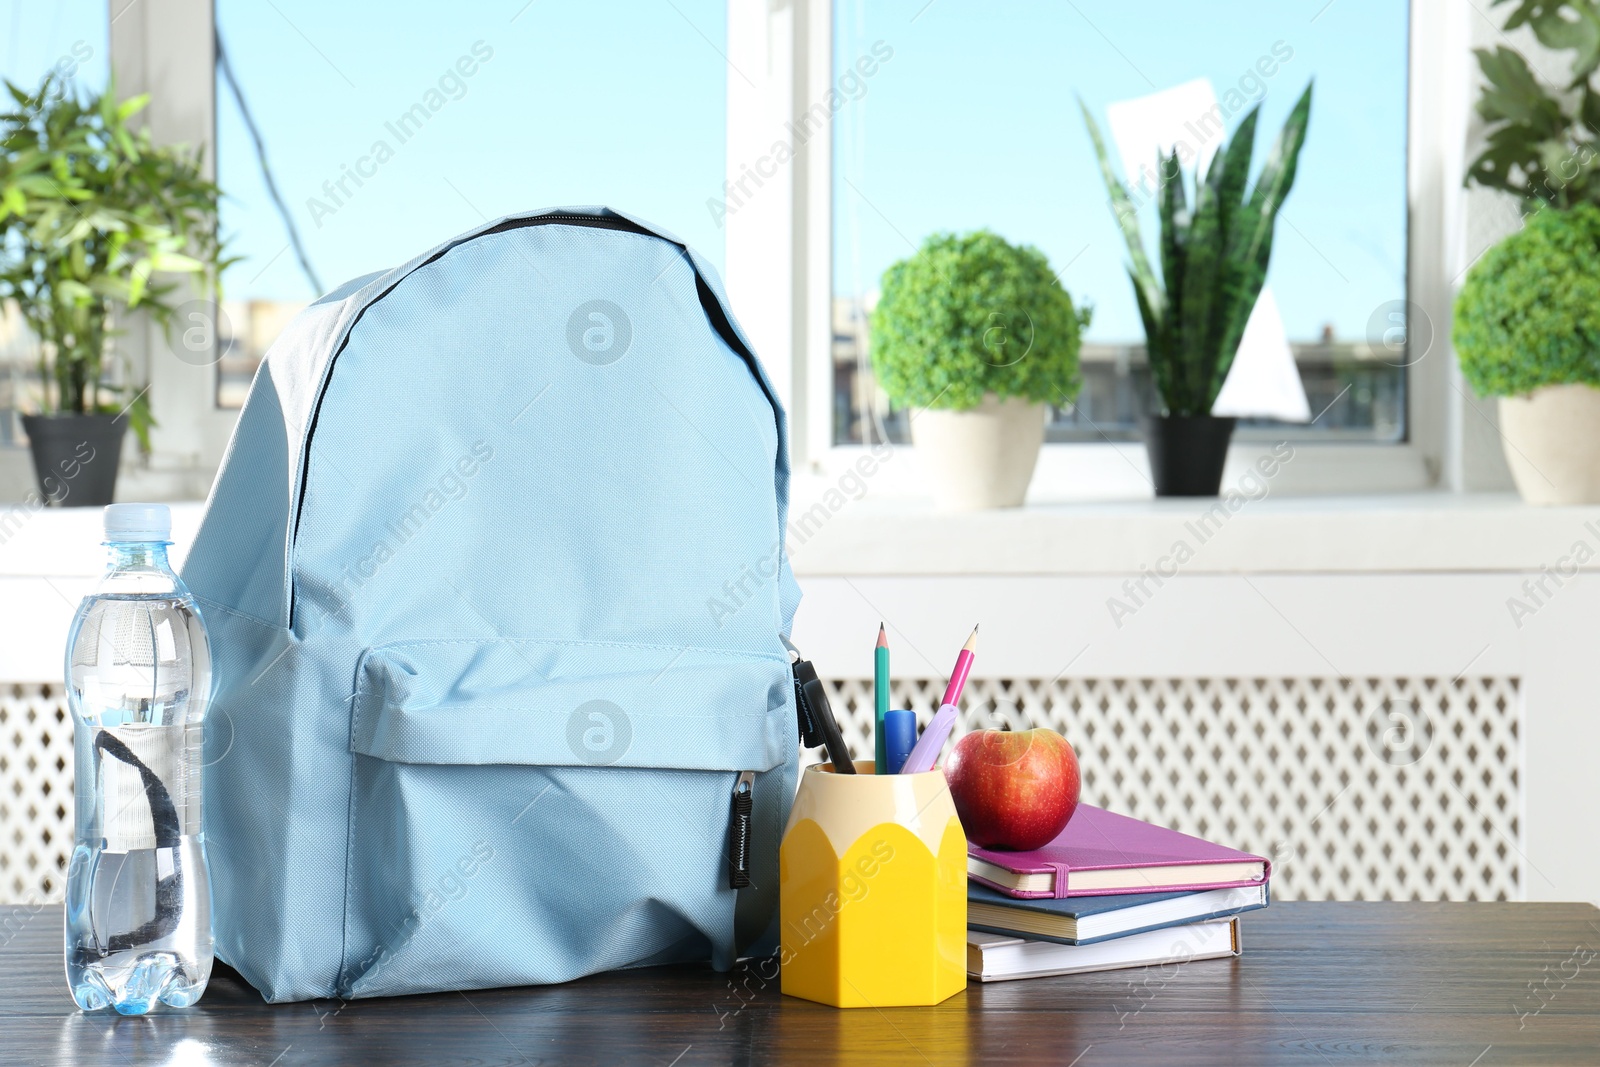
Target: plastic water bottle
138, 681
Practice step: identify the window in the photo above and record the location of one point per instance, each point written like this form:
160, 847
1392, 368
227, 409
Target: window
389, 128
974, 122
67, 39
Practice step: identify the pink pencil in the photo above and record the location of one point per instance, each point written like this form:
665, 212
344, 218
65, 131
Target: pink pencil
958, 677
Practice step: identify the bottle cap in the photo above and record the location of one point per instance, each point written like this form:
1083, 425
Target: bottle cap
138, 522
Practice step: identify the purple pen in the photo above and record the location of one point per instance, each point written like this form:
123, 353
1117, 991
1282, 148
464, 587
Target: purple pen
926, 754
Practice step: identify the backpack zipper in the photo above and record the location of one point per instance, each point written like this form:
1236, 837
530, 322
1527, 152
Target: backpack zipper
801, 672
739, 830
596, 222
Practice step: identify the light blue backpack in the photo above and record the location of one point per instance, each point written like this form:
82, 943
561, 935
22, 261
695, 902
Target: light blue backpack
494, 578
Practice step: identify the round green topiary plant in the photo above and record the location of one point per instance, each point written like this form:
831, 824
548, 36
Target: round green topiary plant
1529, 313
971, 314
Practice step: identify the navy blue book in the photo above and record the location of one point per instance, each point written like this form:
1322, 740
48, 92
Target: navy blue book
1086, 920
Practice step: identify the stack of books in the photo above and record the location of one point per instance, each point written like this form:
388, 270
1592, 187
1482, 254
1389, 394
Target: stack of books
1109, 892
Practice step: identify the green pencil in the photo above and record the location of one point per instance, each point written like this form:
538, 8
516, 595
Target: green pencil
880, 700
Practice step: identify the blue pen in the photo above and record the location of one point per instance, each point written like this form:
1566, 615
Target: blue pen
899, 738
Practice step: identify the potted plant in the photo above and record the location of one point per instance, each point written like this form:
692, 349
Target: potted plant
979, 334
1527, 330
1214, 255
91, 213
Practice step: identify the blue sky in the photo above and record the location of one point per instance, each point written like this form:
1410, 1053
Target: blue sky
34, 37
620, 104
973, 122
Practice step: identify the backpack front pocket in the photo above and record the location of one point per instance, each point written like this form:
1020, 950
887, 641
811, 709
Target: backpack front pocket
529, 811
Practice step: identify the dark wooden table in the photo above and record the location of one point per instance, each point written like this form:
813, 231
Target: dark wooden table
1470, 985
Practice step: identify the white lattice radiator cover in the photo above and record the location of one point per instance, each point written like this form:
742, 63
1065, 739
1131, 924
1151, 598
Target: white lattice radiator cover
1385, 788
35, 793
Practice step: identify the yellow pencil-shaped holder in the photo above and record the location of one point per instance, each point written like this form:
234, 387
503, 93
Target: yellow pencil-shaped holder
873, 890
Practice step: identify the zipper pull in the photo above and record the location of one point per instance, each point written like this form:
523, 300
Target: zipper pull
801, 671
739, 831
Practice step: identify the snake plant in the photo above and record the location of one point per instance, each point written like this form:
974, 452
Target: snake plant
1213, 256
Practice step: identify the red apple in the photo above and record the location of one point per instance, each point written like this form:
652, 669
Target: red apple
1013, 789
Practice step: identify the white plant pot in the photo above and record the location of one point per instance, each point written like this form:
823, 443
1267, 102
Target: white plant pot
1552, 443
980, 458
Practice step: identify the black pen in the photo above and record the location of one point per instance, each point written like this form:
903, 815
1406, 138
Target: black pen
832, 739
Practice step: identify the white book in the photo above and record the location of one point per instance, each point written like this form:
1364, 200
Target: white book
997, 957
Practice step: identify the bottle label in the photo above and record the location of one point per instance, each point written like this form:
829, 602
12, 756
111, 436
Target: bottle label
149, 787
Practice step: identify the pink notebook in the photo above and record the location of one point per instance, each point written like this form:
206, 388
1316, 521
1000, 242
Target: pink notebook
1101, 852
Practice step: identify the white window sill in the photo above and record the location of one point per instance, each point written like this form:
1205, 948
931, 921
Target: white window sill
1393, 533
165, 478
1088, 472
903, 535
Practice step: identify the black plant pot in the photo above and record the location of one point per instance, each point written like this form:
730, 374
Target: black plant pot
1187, 453
75, 457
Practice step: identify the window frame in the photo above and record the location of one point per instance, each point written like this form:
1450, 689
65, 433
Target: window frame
789, 250
779, 253
165, 48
